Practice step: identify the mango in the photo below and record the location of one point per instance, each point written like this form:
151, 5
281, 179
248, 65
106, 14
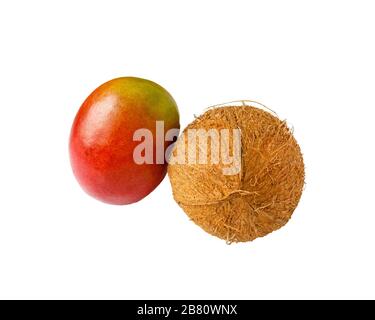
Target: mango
106, 132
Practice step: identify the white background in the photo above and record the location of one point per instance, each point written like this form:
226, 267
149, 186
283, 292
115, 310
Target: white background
313, 62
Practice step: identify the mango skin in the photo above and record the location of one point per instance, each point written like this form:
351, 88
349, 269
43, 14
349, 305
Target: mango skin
101, 141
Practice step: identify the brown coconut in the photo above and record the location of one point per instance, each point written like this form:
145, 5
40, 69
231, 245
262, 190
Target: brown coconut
261, 197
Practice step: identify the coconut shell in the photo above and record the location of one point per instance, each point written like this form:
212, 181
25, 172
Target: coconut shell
261, 197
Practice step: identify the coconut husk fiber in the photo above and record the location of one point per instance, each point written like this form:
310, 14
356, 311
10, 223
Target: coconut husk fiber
262, 196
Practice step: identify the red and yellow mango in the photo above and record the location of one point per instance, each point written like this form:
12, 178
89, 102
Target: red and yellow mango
102, 139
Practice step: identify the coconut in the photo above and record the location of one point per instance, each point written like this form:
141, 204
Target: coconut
251, 200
